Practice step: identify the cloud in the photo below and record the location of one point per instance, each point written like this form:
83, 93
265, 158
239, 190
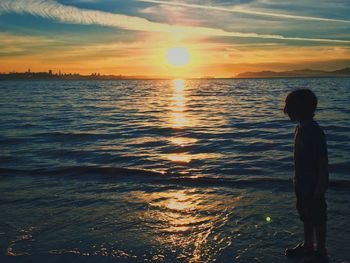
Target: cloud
18, 45
11, 39
247, 11
68, 14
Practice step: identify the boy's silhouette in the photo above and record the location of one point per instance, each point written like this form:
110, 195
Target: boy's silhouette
311, 175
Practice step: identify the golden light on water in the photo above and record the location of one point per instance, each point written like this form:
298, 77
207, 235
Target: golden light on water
179, 157
178, 210
179, 119
179, 84
188, 219
182, 141
179, 98
179, 201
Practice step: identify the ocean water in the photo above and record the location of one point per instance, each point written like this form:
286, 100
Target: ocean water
161, 170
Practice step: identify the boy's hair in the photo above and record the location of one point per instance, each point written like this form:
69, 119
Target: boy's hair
301, 103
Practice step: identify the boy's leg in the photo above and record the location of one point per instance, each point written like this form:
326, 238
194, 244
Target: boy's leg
305, 249
320, 220
321, 231
320, 256
303, 206
308, 236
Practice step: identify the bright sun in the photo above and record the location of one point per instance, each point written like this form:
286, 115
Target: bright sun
178, 56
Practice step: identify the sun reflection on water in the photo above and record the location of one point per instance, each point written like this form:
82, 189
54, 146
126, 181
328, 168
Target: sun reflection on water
187, 220
179, 121
182, 141
179, 157
179, 84
178, 116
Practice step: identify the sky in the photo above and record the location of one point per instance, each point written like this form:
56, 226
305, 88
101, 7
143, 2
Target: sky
133, 37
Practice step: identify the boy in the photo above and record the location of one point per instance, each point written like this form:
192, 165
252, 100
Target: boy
311, 176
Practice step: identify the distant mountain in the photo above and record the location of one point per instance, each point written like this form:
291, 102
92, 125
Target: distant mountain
302, 73
344, 71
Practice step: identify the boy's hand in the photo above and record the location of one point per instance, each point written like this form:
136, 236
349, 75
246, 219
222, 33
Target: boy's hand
321, 186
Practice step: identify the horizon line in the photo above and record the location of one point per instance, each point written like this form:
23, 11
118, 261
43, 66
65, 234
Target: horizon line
125, 77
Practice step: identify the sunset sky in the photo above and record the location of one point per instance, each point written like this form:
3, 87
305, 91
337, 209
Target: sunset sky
133, 37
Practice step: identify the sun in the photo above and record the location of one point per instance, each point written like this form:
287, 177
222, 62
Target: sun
178, 56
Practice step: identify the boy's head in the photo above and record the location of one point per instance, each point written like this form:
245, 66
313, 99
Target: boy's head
300, 105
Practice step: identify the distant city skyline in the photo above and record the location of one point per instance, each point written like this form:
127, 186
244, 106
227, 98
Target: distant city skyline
134, 37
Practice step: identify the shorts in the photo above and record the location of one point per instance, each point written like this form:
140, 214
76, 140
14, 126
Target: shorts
312, 210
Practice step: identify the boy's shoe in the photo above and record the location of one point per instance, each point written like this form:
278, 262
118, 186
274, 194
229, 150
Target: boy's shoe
299, 251
317, 257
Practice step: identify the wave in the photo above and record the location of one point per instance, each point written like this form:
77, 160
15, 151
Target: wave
120, 173
341, 167
80, 171
65, 134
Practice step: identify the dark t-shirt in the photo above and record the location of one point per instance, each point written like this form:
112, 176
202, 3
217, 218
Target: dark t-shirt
309, 147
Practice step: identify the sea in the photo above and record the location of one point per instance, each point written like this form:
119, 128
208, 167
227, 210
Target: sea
162, 170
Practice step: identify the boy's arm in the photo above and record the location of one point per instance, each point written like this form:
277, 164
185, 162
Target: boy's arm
322, 182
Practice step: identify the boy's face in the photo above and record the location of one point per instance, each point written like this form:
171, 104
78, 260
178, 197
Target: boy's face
291, 116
